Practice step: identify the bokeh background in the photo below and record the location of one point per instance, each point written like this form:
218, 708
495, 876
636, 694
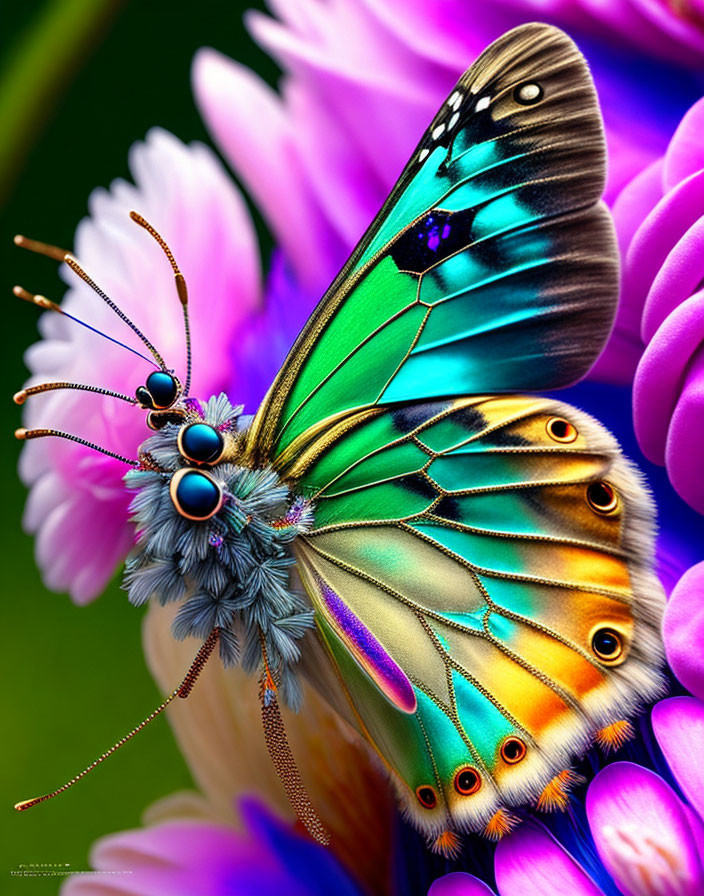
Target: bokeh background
80, 81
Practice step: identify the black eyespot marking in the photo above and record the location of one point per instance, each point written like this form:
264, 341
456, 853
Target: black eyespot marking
527, 94
561, 430
607, 644
467, 781
431, 240
427, 796
513, 750
602, 497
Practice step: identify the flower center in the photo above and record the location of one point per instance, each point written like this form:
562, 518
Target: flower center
649, 866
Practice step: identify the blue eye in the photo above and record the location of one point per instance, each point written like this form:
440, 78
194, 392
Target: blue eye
201, 443
195, 494
160, 391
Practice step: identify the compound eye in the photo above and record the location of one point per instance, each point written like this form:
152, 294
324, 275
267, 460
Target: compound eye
195, 494
160, 419
160, 391
201, 443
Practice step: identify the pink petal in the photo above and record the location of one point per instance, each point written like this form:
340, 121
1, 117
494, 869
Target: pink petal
250, 124
678, 724
530, 862
642, 833
683, 630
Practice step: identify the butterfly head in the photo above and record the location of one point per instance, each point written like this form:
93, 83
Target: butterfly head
213, 532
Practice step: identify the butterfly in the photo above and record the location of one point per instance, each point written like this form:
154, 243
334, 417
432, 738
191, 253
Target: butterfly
472, 561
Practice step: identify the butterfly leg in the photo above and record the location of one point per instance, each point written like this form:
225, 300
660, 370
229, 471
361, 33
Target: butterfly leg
555, 794
612, 737
282, 757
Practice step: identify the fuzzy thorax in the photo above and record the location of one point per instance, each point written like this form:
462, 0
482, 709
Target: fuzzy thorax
230, 571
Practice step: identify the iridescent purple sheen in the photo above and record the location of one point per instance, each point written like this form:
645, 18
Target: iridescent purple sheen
369, 652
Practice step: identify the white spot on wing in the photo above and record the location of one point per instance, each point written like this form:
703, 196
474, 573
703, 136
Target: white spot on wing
529, 93
482, 103
454, 97
423, 154
453, 121
438, 131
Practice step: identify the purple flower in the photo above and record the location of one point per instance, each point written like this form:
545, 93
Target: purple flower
659, 329
683, 630
363, 79
188, 857
650, 842
78, 502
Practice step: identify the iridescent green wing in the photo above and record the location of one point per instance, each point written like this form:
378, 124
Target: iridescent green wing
490, 268
481, 574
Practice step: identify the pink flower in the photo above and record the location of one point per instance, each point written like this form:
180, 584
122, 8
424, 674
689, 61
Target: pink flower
660, 221
361, 82
78, 502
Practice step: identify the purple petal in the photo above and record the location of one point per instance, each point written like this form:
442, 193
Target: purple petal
183, 858
459, 884
679, 728
683, 456
685, 154
530, 862
642, 833
658, 381
667, 222
683, 630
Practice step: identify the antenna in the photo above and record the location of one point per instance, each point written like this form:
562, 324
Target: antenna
62, 255
181, 289
47, 305
28, 434
22, 396
183, 690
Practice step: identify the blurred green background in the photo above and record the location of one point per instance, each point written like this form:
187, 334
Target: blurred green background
80, 81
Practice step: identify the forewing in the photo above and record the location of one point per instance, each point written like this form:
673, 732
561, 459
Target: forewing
491, 267
460, 565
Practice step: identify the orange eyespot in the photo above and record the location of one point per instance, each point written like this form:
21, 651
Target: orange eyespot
467, 781
561, 430
513, 750
607, 644
602, 497
427, 796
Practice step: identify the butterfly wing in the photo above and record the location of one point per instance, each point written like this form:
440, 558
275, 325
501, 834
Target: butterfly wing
463, 560
491, 267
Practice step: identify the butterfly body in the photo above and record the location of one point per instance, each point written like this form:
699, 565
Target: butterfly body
474, 563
